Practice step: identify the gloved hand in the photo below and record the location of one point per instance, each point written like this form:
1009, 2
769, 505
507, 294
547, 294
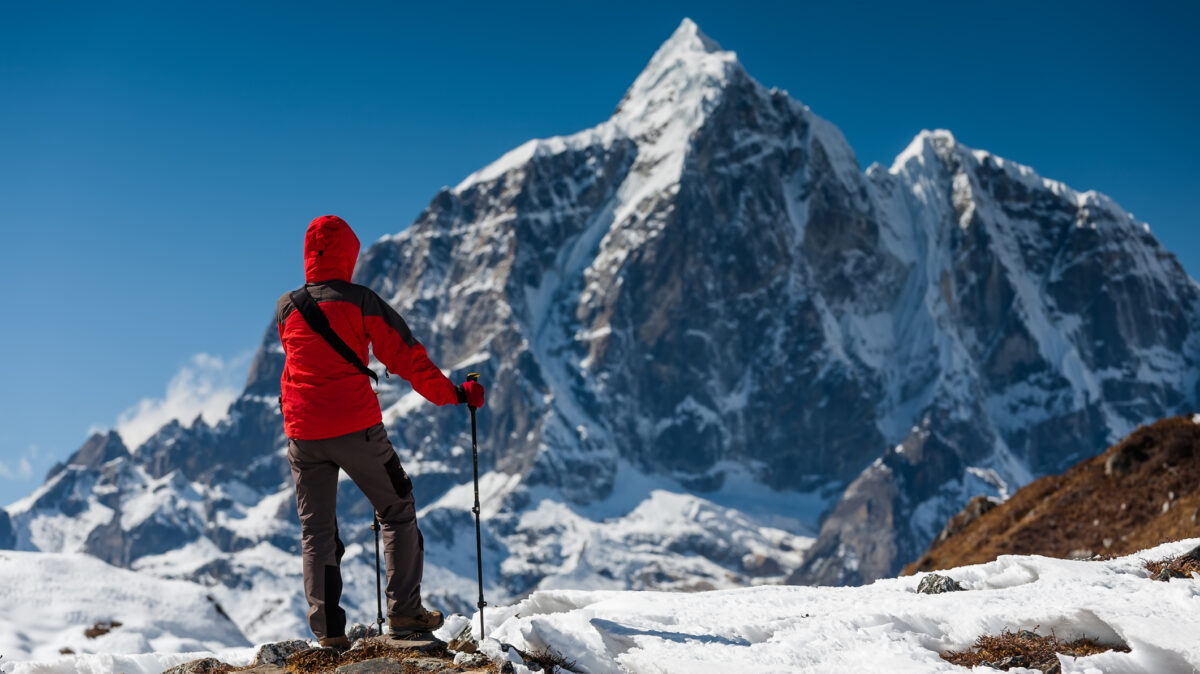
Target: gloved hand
471, 393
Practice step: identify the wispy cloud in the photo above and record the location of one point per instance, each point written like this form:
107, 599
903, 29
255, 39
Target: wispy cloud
204, 387
23, 469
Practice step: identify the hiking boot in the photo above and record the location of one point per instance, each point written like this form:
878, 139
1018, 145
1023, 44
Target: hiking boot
338, 644
422, 621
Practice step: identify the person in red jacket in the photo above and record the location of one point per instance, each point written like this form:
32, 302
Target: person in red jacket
332, 418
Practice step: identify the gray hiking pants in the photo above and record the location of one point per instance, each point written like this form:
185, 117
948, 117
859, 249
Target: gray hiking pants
368, 459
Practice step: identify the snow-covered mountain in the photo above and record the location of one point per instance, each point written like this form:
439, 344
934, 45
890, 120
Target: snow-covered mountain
702, 327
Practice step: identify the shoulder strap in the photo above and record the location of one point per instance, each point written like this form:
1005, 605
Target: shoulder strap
317, 320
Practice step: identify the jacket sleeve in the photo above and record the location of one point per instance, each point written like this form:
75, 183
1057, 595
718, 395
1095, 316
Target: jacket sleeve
400, 352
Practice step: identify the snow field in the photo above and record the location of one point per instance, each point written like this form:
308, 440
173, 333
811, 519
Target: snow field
47, 600
883, 627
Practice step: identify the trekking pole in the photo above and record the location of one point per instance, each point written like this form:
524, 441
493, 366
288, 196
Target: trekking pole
378, 601
474, 376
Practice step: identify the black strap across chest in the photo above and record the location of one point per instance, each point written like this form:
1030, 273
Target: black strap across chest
317, 320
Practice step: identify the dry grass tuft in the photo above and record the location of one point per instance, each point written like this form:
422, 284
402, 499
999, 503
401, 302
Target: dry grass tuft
1182, 566
1024, 649
549, 660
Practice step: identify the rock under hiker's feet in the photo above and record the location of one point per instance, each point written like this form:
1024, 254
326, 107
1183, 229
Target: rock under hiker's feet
424, 621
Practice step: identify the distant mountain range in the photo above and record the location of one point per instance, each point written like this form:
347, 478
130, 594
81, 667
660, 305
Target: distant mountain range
708, 336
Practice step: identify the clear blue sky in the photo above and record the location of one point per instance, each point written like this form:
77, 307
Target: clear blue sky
159, 161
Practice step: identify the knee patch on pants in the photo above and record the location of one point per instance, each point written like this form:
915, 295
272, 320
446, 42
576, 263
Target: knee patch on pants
398, 477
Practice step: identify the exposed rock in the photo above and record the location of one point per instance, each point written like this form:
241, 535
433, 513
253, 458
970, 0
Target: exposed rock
471, 659
1183, 566
935, 584
464, 641
201, 666
373, 666
1167, 573
426, 644
761, 565
1193, 554
467, 645
277, 653
428, 664
1010, 662
871, 530
360, 631
8, 539
99, 449
971, 512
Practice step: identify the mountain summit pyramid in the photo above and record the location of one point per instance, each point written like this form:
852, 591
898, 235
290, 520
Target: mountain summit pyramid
707, 335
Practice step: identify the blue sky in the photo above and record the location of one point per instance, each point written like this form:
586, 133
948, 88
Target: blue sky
159, 161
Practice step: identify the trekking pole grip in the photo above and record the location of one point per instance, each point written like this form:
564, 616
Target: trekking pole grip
472, 376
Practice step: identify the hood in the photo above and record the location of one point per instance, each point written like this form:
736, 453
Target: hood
330, 250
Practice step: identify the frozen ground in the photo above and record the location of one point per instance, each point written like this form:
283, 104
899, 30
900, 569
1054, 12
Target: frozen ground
883, 627
48, 600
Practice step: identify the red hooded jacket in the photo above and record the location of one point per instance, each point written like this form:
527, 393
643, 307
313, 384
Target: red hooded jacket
324, 396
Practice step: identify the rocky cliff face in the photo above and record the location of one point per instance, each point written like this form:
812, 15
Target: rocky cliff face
1048, 323
701, 326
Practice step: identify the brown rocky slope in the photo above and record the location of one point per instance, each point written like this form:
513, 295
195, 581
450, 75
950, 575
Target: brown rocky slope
1143, 491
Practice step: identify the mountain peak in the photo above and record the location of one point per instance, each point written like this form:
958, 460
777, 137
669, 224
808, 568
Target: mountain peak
925, 145
681, 82
689, 37
665, 104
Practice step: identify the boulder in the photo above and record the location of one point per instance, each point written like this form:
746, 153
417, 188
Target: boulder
201, 666
937, 584
278, 652
375, 666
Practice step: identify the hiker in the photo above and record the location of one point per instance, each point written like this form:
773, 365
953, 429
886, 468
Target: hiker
333, 421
